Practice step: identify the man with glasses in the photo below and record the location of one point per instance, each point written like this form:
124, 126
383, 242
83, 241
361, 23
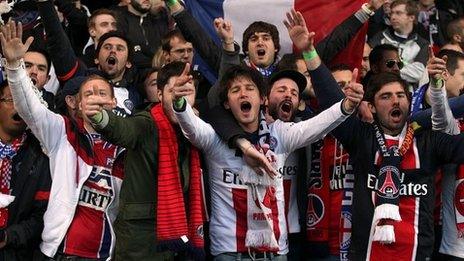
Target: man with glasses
24, 184
411, 47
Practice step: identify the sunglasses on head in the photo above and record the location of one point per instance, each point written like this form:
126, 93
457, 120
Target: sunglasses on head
391, 63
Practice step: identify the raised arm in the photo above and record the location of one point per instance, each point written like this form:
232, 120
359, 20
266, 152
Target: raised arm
303, 133
194, 33
442, 118
47, 126
198, 132
326, 88
59, 47
342, 34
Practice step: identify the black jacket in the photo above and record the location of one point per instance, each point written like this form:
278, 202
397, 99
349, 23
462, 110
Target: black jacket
30, 184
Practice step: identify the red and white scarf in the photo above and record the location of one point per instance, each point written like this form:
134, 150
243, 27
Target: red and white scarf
177, 229
7, 152
261, 233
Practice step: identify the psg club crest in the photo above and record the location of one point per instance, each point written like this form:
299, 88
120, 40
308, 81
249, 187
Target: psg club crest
315, 211
388, 177
458, 203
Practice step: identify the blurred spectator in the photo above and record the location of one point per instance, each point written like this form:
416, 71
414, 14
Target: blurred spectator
432, 23
143, 28
100, 22
412, 48
365, 67
455, 33
25, 184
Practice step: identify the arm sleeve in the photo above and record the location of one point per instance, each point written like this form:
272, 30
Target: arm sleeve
423, 118
326, 88
442, 118
59, 47
413, 72
126, 132
198, 132
47, 126
303, 133
201, 41
228, 59
19, 235
342, 34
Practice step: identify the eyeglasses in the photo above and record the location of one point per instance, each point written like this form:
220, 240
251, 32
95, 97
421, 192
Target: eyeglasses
7, 100
391, 63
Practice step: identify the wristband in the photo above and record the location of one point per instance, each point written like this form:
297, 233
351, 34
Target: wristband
179, 103
97, 118
438, 83
308, 56
367, 10
171, 3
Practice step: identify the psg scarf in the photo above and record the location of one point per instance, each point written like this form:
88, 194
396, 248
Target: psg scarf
389, 181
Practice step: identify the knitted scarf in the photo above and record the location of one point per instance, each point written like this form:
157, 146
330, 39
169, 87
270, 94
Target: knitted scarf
266, 73
388, 187
262, 220
459, 195
179, 224
7, 152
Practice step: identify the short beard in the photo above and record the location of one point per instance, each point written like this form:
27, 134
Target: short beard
136, 5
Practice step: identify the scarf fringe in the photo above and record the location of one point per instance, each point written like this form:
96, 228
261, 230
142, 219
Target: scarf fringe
6, 200
387, 211
384, 234
261, 238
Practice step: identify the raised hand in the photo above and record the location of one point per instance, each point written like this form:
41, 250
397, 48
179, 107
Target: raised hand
436, 67
376, 4
94, 104
298, 32
13, 48
181, 87
354, 93
224, 30
255, 159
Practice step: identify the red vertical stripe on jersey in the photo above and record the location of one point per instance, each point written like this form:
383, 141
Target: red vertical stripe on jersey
287, 189
275, 219
405, 232
239, 197
322, 16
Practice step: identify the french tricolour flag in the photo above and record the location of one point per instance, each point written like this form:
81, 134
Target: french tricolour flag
321, 17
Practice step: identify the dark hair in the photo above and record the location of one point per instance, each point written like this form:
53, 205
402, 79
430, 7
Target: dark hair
169, 70
45, 54
152, 70
166, 40
119, 35
101, 11
411, 6
3, 86
379, 80
288, 62
377, 52
453, 58
239, 71
260, 27
453, 28
340, 67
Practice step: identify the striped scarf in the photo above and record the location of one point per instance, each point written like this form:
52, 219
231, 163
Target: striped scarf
176, 229
7, 152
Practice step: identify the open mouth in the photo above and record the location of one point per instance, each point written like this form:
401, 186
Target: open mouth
111, 60
396, 113
245, 107
286, 106
16, 117
461, 92
261, 52
34, 81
